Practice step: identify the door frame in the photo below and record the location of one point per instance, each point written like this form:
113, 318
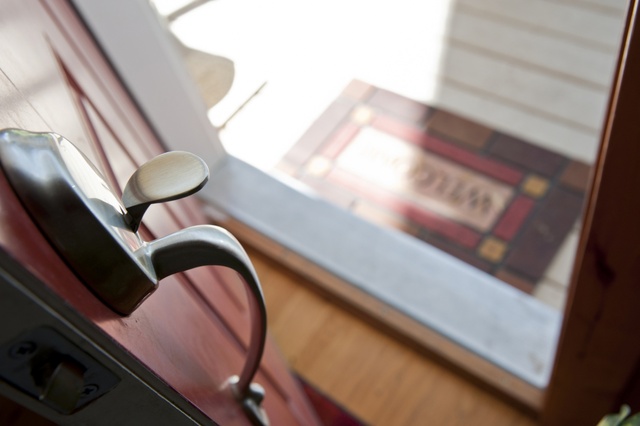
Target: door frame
597, 365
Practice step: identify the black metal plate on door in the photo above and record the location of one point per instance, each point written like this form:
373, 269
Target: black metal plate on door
47, 366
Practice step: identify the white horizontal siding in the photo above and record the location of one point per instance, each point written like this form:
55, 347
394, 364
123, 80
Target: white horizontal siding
561, 18
527, 46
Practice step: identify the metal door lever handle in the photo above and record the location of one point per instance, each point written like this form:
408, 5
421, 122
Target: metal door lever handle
210, 245
97, 232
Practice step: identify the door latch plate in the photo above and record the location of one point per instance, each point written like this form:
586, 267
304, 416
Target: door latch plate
47, 366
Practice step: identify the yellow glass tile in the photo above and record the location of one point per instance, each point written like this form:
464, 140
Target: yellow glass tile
318, 166
492, 249
535, 186
362, 115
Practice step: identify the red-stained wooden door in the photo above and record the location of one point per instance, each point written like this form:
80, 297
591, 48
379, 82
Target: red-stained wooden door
192, 333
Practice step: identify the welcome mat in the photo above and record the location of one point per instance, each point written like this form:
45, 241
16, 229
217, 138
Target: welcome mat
494, 201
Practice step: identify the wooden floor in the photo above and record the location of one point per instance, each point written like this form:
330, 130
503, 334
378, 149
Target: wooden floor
377, 378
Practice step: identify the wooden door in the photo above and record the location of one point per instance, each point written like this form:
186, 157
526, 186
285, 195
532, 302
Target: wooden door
192, 334
597, 366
